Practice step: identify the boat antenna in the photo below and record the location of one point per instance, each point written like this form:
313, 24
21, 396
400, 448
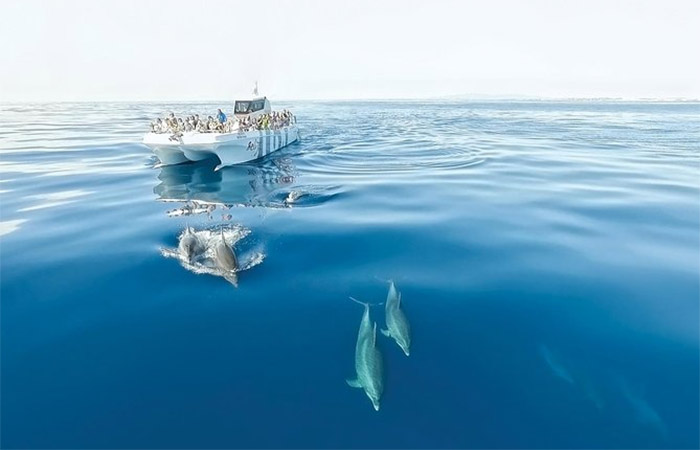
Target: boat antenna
255, 89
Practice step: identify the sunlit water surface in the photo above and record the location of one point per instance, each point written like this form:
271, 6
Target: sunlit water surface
547, 255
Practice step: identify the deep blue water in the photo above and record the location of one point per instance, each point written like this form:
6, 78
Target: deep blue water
548, 256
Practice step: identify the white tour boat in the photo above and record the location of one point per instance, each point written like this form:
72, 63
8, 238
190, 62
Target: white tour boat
240, 145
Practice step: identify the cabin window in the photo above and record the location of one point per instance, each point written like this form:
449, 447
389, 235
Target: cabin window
242, 107
245, 107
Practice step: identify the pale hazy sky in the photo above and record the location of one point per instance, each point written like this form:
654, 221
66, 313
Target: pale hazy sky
303, 49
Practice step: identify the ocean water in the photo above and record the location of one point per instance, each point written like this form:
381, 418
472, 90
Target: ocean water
548, 257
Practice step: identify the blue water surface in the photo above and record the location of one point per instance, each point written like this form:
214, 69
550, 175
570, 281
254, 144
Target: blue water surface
547, 255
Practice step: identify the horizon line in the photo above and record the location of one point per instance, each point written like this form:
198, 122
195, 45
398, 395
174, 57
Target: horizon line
454, 97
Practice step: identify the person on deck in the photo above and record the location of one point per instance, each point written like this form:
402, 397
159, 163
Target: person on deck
220, 116
211, 124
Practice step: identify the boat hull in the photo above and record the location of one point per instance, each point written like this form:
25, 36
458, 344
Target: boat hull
229, 148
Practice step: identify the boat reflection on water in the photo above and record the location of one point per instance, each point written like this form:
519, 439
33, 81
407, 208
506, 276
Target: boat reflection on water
202, 189
199, 189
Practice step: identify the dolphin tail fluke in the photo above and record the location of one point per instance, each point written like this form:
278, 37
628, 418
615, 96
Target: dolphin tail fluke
231, 277
384, 280
353, 383
367, 304
385, 332
358, 301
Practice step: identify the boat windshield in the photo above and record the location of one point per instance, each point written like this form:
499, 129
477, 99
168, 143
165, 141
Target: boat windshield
245, 107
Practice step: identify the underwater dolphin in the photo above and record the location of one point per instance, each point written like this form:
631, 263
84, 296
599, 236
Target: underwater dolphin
226, 260
557, 368
190, 246
368, 360
643, 411
397, 326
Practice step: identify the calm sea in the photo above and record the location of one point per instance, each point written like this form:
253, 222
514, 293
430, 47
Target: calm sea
548, 256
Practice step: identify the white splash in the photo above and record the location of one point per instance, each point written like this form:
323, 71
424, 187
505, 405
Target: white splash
292, 197
204, 263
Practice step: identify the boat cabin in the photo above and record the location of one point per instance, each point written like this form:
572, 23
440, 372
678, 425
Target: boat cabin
251, 108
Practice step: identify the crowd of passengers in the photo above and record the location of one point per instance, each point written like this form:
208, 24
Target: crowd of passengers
221, 124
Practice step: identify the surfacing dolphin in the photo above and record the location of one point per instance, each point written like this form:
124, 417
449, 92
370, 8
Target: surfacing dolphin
397, 326
226, 260
368, 360
190, 246
211, 252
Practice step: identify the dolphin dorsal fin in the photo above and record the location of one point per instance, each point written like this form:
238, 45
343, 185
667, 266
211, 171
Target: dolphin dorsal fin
398, 302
